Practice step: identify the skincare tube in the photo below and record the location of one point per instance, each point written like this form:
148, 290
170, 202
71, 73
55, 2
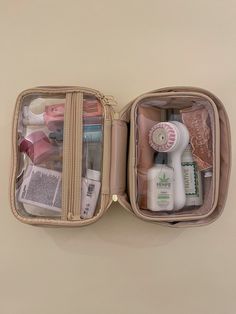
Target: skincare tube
90, 192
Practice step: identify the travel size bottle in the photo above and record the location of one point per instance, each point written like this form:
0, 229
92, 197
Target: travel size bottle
90, 192
160, 187
192, 179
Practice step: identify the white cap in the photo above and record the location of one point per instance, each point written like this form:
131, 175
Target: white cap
93, 175
32, 118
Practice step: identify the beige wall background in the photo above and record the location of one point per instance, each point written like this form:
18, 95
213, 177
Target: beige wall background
120, 264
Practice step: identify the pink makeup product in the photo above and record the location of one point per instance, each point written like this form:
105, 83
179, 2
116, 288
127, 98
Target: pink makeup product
92, 120
38, 147
54, 116
173, 138
91, 108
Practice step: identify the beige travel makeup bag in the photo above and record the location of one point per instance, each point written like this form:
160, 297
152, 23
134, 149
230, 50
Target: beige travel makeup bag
122, 145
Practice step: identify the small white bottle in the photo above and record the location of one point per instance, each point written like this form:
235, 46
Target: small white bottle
192, 179
90, 191
160, 185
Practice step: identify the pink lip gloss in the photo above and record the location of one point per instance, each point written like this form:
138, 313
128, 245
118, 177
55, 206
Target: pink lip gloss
38, 147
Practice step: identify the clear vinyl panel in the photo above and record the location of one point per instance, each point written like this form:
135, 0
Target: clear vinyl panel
40, 152
40, 156
175, 156
92, 156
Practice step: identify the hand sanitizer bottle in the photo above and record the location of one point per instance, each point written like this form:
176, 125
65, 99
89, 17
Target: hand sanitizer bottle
160, 185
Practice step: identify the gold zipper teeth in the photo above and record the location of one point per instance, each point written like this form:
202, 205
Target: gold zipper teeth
75, 175
66, 160
71, 158
72, 172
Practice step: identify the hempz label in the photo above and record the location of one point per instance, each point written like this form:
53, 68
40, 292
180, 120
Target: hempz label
191, 183
163, 186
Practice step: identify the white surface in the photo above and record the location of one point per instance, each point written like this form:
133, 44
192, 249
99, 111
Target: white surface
120, 264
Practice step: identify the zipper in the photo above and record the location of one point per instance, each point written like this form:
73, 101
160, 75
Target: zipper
74, 209
72, 153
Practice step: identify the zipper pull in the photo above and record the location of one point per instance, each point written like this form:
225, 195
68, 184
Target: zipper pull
111, 100
114, 198
116, 115
70, 216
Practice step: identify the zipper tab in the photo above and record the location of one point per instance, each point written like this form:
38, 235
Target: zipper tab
116, 116
70, 216
114, 198
111, 100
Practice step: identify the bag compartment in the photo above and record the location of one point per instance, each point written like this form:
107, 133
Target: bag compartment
76, 148
225, 157
171, 100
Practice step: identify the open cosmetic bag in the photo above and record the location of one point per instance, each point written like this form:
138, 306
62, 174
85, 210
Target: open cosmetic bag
165, 157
